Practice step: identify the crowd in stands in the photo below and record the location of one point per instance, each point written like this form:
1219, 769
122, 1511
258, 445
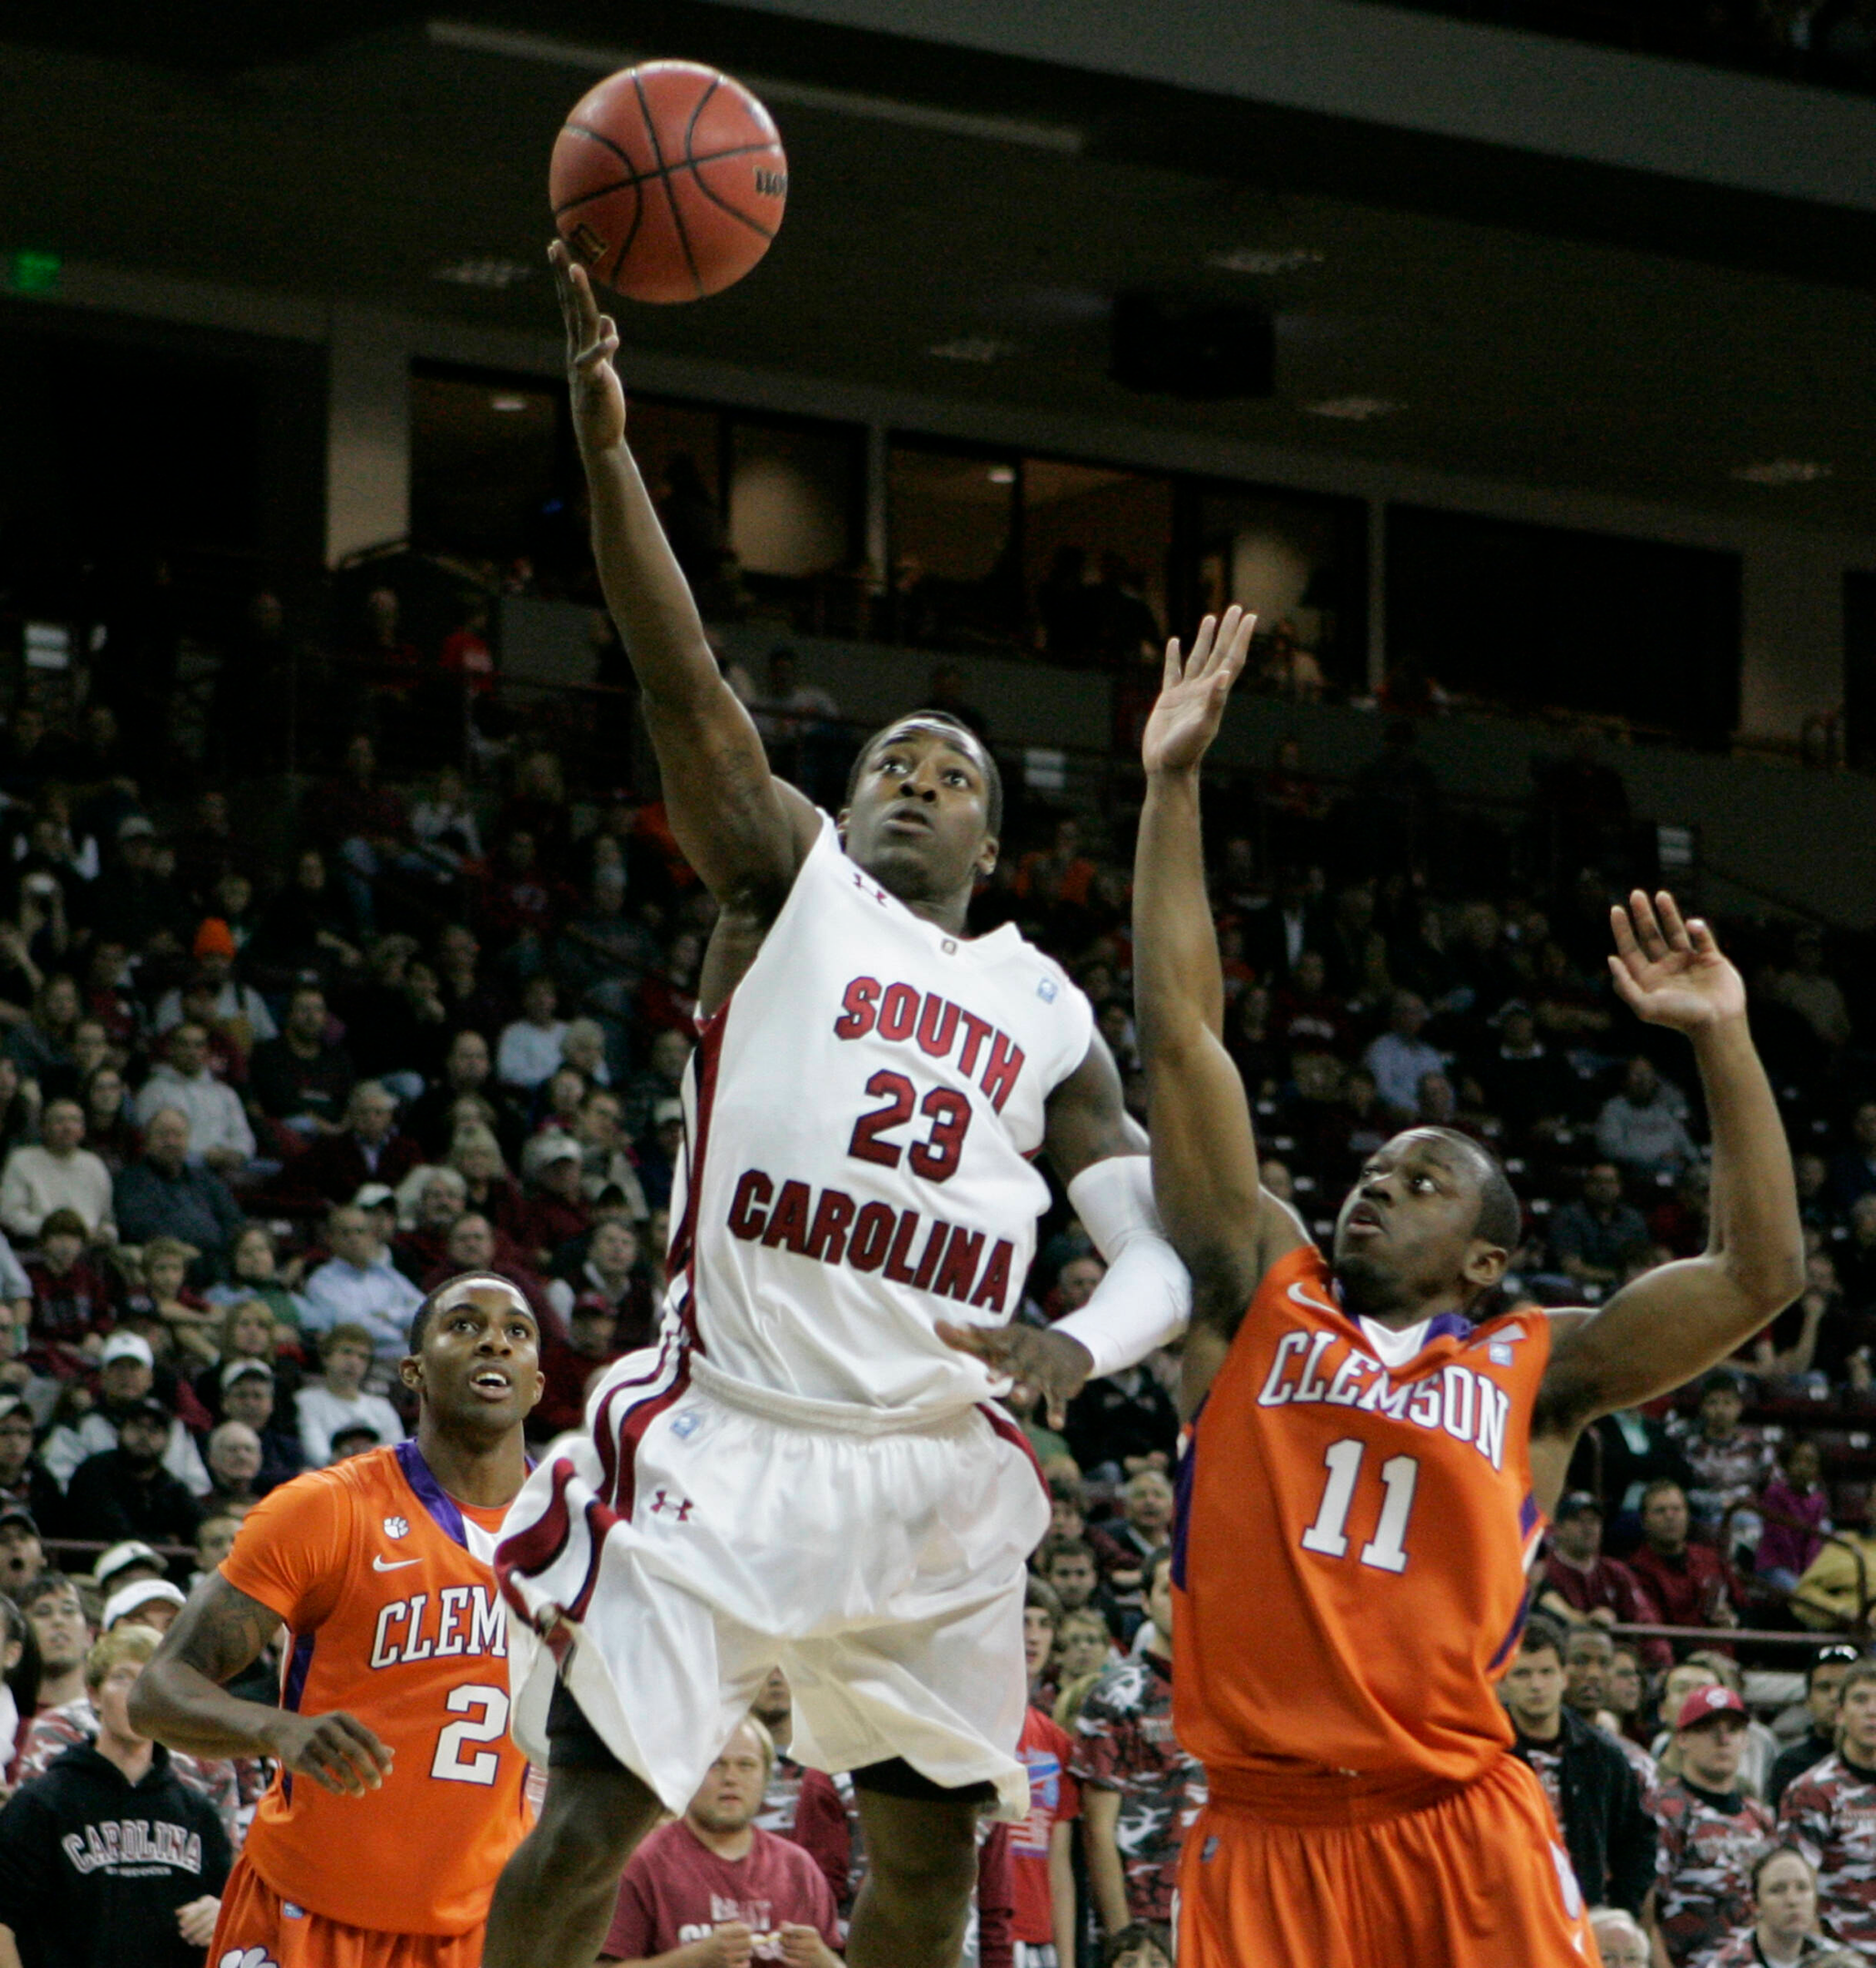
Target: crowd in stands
255, 1101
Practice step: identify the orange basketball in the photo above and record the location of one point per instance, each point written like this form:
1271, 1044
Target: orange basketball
667, 181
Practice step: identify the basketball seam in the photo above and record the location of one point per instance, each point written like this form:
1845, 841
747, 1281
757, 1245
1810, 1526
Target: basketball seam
693, 160
586, 198
677, 217
754, 225
633, 176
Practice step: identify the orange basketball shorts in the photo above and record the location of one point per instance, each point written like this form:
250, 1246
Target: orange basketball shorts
258, 1927
1478, 1878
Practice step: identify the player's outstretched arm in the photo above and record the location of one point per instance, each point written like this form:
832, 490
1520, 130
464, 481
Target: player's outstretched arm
178, 1699
1671, 1324
1205, 1156
741, 829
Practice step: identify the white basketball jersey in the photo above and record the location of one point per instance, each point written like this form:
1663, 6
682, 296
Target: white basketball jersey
860, 1118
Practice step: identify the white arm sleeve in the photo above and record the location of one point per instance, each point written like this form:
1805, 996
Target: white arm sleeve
1145, 1298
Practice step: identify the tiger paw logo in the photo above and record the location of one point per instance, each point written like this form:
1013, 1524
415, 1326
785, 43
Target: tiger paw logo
396, 1527
253, 1957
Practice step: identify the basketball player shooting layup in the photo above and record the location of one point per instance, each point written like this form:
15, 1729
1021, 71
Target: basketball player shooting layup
807, 1471
1378, 1442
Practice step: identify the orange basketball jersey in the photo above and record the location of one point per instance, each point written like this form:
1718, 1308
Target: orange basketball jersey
392, 1615
1350, 1553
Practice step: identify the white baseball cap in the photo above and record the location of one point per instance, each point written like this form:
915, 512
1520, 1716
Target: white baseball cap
127, 1346
133, 1597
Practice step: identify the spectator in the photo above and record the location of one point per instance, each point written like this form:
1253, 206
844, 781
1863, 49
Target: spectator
1598, 1240
367, 1149
1784, 1931
531, 1046
109, 1131
1809, 990
1827, 1812
1708, 1831
1823, 1690
301, 1079
1731, 1463
234, 1456
247, 1398
236, 1010
472, 1246
126, 1492
218, 1128
556, 1212
57, 1175
1122, 1423
1644, 1127
152, 1603
1578, 1583
178, 1325
568, 1365
1838, 1589
662, 1080
1619, 1456
1686, 1581
1592, 1789
1589, 1668
1042, 1852
246, 1334
74, 1302
1140, 1792
467, 1069
359, 1285
126, 1374
73, 1888
714, 1873
347, 1352
1401, 1058
54, 1610
1121, 1549
610, 1275
22, 1554
164, 1193
488, 1187
1620, 1939
254, 1276
26, 1483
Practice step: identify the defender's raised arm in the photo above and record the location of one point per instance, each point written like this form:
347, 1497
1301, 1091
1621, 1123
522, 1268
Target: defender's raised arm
1674, 1322
1204, 1159
741, 829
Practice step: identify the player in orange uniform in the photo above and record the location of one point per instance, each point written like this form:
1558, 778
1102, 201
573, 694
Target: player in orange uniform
399, 1796
1366, 1479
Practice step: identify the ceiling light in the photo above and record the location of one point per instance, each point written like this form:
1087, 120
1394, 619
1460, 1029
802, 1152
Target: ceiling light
1002, 474
507, 405
494, 273
1783, 472
1262, 259
1354, 409
972, 349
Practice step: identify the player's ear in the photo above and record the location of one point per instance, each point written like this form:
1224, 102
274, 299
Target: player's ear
840, 820
986, 863
410, 1370
1485, 1263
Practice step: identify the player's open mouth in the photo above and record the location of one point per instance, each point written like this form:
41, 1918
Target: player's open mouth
490, 1381
908, 816
1364, 1216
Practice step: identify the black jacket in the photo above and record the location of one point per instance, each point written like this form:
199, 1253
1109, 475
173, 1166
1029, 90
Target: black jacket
1609, 1833
1792, 1763
93, 1868
107, 1499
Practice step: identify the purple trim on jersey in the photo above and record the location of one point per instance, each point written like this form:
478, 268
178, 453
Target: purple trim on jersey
293, 1691
1455, 1323
1182, 1495
431, 1494
1528, 1514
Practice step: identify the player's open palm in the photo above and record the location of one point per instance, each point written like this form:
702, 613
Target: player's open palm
1668, 971
592, 341
1191, 704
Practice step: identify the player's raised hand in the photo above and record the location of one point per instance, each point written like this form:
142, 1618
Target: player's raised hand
1191, 704
1049, 1365
592, 341
1668, 971
336, 1750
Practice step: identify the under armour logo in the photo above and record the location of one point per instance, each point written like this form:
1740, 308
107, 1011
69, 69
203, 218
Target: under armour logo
870, 888
681, 1507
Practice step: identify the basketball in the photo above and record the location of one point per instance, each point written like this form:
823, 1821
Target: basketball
667, 181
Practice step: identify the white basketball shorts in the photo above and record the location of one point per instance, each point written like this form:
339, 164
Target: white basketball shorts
705, 1532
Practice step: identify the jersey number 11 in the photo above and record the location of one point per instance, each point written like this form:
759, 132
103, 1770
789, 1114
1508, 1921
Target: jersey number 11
1400, 1475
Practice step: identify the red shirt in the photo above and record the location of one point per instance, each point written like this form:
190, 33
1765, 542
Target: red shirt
1689, 1587
1054, 1797
676, 1891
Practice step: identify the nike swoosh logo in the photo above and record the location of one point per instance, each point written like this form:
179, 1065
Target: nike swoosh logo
1299, 1296
378, 1563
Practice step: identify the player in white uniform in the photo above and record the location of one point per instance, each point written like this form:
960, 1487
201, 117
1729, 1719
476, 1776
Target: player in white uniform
808, 1471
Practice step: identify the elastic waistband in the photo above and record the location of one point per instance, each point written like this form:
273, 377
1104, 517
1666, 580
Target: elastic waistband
1310, 1796
843, 1417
